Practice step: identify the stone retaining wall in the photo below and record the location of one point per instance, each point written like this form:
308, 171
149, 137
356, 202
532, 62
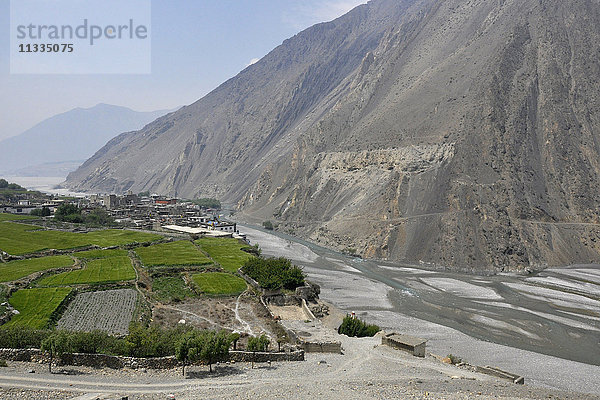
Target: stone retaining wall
321, 347
118, 362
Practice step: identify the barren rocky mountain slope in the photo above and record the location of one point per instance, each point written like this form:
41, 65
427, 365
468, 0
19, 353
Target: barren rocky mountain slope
455, 133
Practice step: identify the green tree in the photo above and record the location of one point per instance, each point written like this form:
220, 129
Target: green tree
99, 216
184, 346
234, 337
260, 343
57, 344
68, 213
41, 212
3, 183
214, 346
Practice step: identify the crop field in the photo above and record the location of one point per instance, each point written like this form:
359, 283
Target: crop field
36, 306
103, 270
225, 251
219, 283
18, 269
174, 253
110, 311
170, 288
13, 217
19, 239
93, 254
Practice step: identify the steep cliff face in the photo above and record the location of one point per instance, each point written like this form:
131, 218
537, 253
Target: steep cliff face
454, 133
469, 141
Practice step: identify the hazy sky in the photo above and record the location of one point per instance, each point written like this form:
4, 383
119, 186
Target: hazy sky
196, 45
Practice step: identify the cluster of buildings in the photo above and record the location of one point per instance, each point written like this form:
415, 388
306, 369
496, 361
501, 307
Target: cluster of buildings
143, 212
160, 212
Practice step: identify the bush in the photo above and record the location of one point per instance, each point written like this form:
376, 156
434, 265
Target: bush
13, 337
268, 225
274, 273
352, 326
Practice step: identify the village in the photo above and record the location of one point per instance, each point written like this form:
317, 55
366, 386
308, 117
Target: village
141, 211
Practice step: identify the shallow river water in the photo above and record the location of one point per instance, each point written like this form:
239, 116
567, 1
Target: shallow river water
545, 327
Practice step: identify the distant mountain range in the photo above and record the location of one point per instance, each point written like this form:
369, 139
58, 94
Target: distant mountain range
449, 133
58, 145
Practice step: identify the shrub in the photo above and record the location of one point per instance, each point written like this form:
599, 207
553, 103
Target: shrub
268, 225
454, 359
352, 326
18, 337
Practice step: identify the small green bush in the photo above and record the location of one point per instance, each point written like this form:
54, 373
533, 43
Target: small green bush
352, 326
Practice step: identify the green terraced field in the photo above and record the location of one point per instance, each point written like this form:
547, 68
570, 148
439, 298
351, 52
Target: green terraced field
36, 306
18, 239
14, 270
103, 270
219, 283
225, 251
13, 217
92, 254
174, 253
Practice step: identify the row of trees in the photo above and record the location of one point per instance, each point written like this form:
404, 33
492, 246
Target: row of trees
186, 343
274, 273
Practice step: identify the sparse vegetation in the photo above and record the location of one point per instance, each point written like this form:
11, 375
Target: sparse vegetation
219, 283
274, 273
170, 288
175, 253
352, 326
18, 269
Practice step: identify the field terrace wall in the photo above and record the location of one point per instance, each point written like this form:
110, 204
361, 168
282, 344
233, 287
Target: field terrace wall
118, 362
